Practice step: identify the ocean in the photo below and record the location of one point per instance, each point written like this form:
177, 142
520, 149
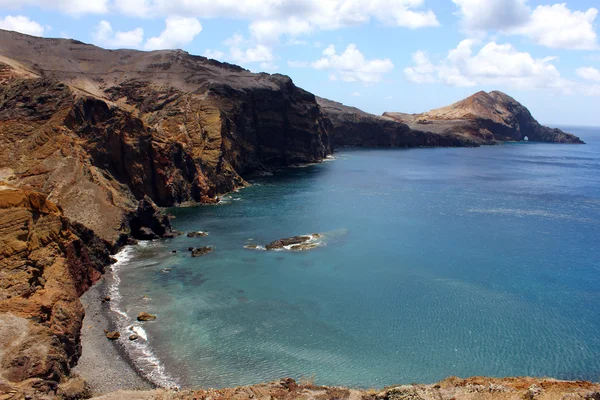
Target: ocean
432, 263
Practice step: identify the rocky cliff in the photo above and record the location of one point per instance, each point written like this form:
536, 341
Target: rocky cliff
356, 128
98, 130
46, 263
486, 118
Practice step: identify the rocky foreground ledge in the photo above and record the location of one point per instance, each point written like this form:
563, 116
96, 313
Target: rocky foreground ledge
449, 389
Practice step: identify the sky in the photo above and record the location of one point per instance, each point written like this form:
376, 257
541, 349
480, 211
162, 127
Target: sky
378, 55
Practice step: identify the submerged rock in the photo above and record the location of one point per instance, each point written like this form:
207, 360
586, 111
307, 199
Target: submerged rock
144, 316
197, 234
113, 335
200, 251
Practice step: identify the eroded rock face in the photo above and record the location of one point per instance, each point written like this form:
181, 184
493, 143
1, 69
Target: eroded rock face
487, 118
46, 262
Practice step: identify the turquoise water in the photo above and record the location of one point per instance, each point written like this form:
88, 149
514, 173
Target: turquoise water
435, 262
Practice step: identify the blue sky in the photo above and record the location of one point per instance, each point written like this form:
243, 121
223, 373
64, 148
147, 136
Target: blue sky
379, 55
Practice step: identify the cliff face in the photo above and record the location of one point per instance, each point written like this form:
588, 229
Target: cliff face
356, 128
99, 130
487, 118
46, 262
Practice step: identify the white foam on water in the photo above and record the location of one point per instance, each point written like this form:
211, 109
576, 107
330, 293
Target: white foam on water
139, 351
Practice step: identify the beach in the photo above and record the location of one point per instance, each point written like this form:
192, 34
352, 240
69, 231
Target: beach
103, 364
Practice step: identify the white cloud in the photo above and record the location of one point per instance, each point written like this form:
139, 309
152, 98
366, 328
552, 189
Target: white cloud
492, 14
243, 52
75, 7
351, 65
270, 19
19, 23
104, 36
558, 27
178, 32
494, 64
589, 74
355, 94
214, 54
554, 26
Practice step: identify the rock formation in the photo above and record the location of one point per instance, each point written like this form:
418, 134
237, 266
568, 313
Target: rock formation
486, 118
46, 263
356, 128
100, 130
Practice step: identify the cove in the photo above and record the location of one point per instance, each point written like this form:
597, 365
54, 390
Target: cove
434, 262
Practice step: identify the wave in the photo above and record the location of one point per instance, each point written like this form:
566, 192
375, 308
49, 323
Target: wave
139, 351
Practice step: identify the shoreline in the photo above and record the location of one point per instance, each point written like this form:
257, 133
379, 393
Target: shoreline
104, 364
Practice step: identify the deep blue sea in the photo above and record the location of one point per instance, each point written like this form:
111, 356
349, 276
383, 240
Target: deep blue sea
434, 262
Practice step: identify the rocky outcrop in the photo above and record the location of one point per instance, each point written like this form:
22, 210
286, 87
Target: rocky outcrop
46, 263
449, 389
200, 251
356, 128
486, 118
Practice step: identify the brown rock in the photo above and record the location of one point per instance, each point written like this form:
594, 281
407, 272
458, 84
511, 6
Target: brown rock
113, 335
200, 251
281, 243
197, 234
133, 337
144, 316
74, 389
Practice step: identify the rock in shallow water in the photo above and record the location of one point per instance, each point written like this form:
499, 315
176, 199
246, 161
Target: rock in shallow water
281, 243
197, 234
144, 316
200, 251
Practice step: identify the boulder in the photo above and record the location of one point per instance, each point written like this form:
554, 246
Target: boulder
113, 335
200, 251
197, 234
133, 337
144, 316
281, 243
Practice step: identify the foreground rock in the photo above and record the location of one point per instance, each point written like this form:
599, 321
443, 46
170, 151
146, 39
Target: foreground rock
486, 118
449, 389
46, 262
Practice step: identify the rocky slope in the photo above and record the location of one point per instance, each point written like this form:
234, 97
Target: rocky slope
97, 130
486, 118
356, 128
46, 263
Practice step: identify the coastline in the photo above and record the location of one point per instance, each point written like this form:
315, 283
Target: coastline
104, 364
